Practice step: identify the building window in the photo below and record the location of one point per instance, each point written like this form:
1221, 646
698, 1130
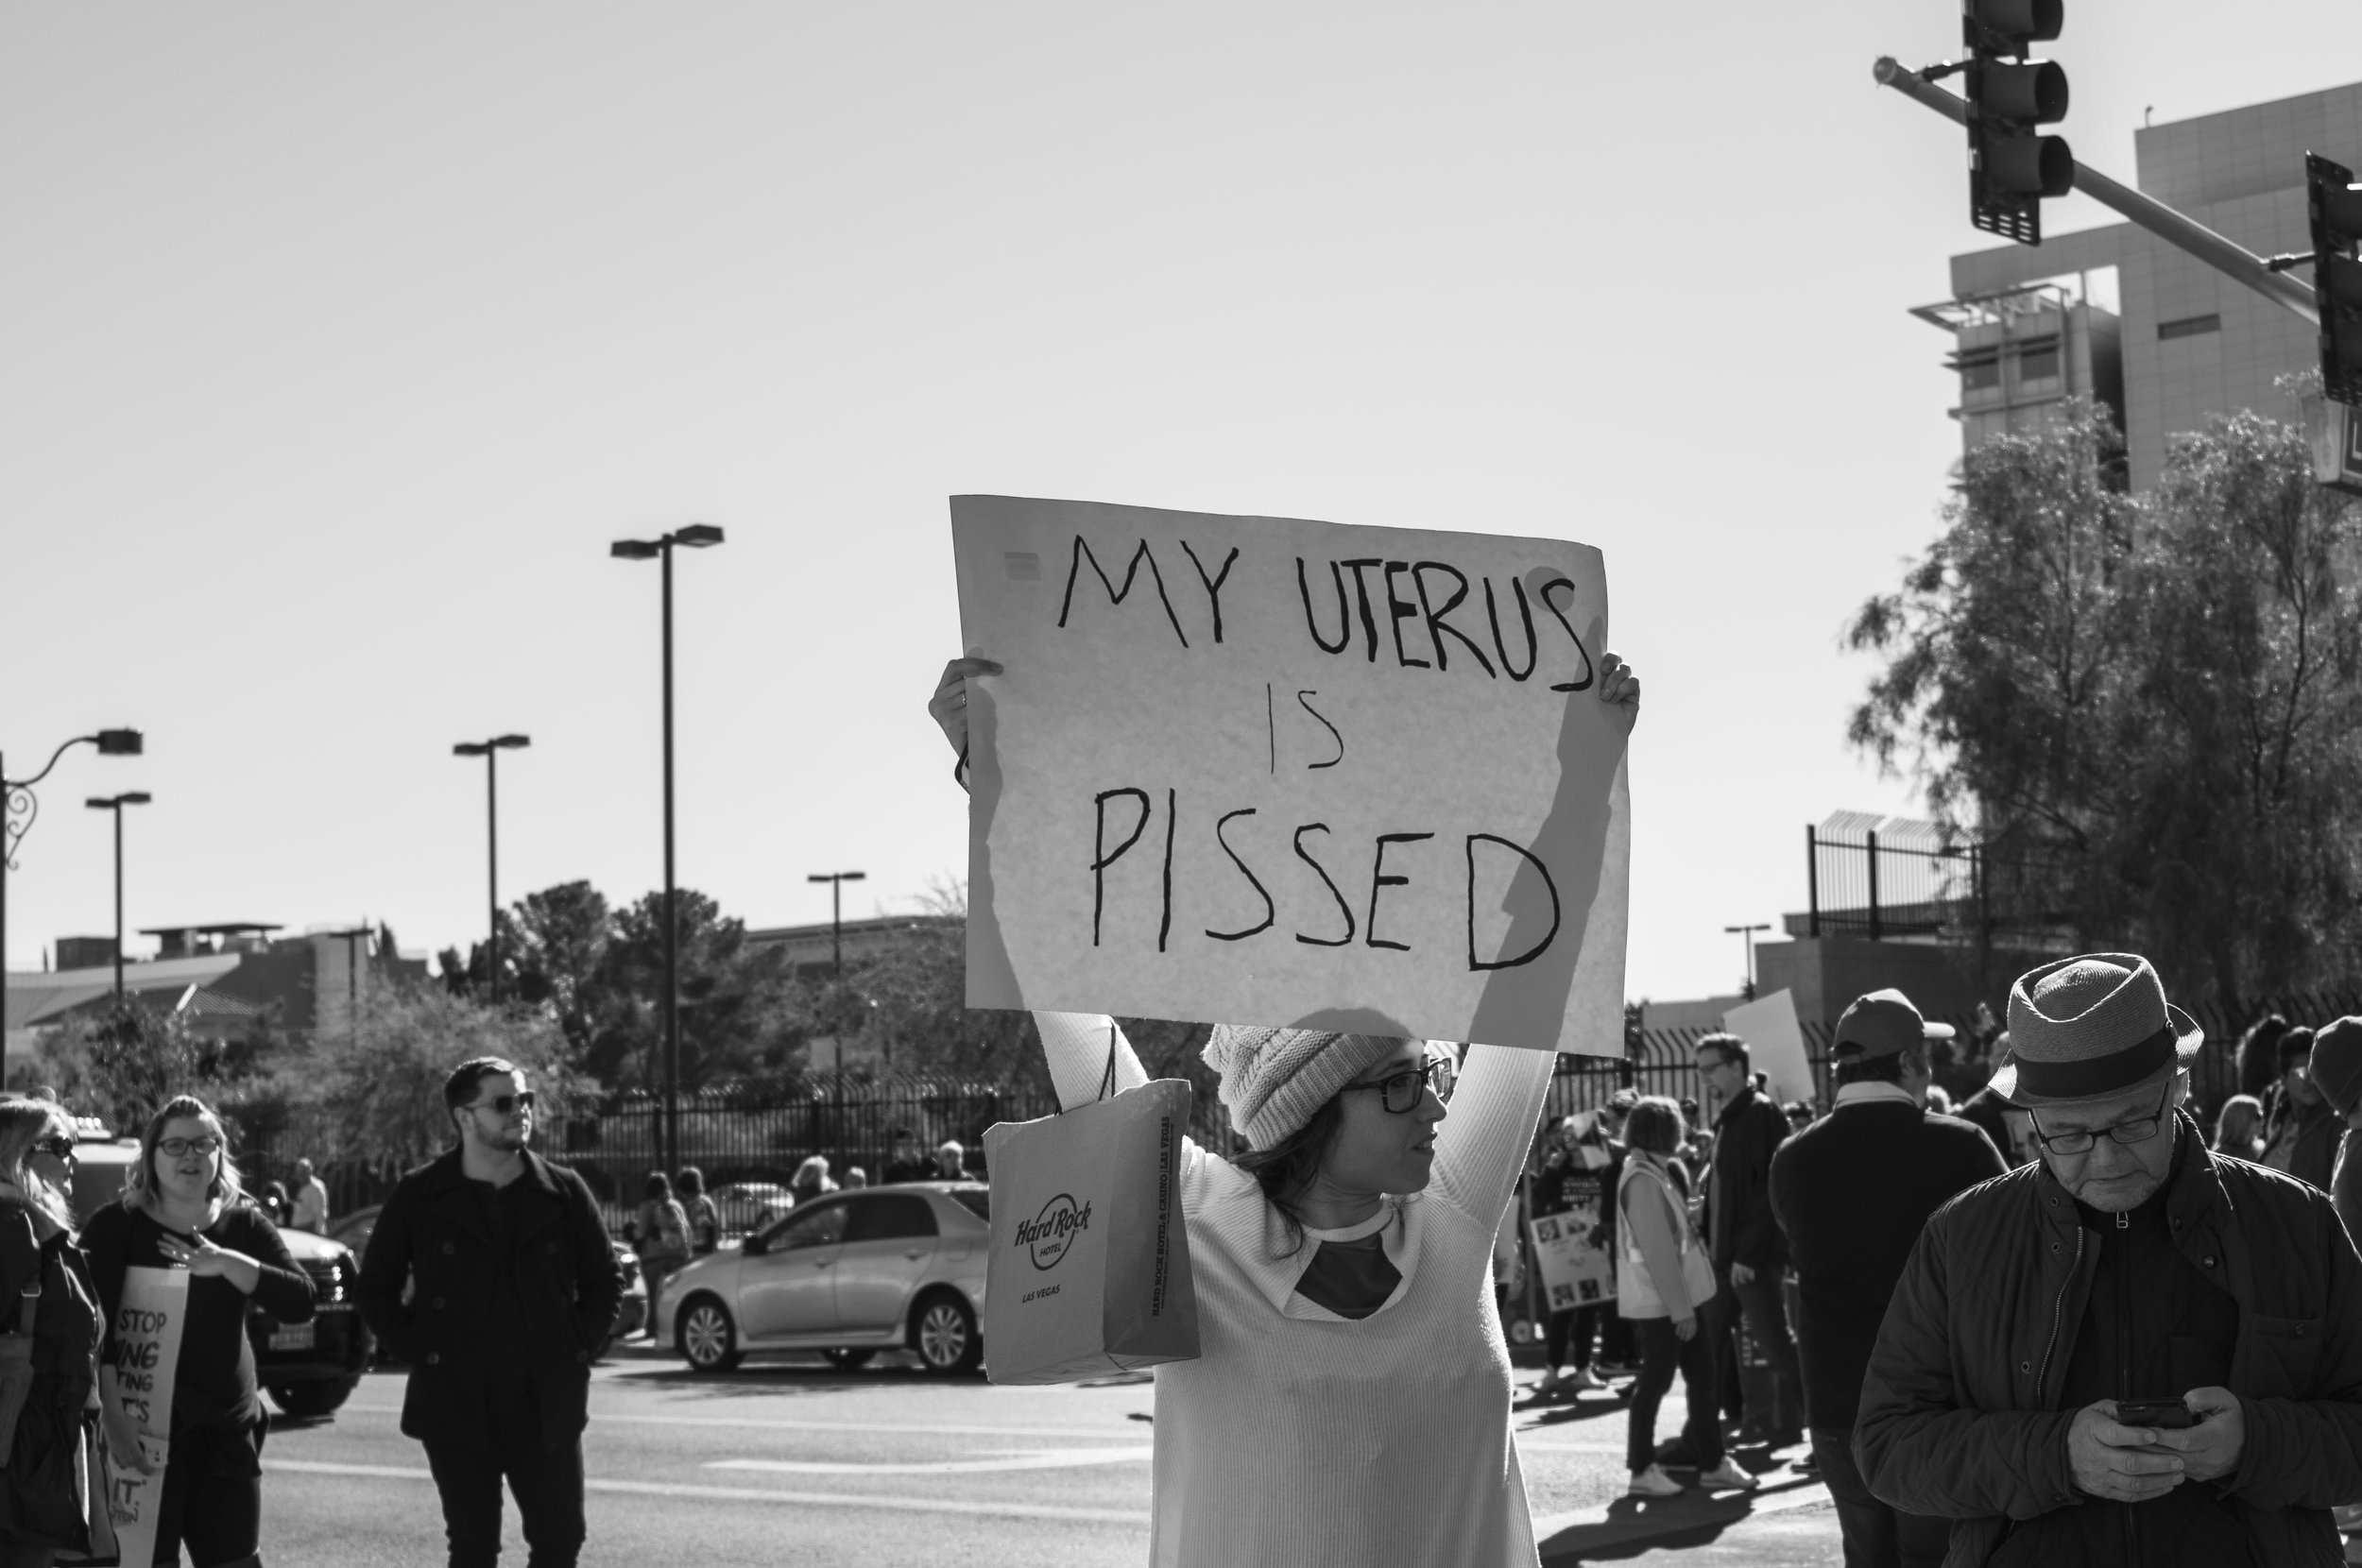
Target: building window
2190, 326
1980, 371
2038, 361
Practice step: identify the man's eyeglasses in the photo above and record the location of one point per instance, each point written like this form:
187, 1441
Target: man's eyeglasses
501, 1105
2080, 1140
59, 1147
175, 1148
1400, 1092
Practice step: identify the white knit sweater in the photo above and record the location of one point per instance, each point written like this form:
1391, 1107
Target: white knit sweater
1298, 1438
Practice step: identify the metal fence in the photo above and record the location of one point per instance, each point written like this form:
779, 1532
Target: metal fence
1884, 878
744, 1132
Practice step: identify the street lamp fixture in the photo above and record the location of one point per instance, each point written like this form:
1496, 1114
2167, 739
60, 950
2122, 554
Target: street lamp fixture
1748, 932
117, 804
697, 536
489, 751
837, 880
19, 807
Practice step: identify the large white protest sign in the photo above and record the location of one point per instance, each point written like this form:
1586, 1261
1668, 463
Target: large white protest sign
1775, 1044
1271, 771
146, 1358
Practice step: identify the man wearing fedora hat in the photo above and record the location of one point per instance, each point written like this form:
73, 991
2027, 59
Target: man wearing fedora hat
2126, 1263
1852, 1192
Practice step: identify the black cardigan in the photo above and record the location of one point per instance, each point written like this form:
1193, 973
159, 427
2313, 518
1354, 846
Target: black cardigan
215, 1389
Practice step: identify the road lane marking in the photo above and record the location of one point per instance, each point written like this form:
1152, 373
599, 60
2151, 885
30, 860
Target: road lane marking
602, 1419
1047, 1458
746, 1494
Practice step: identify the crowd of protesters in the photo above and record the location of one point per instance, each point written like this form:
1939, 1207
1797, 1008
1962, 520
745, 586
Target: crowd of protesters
2047, 1318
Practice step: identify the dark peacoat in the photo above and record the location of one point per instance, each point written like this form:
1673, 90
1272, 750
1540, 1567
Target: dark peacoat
432, 1234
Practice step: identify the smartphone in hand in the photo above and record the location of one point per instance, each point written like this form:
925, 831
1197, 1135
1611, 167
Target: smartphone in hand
2173, 1414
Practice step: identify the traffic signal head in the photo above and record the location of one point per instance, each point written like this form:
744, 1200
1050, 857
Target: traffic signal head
2333, 203
2011, 165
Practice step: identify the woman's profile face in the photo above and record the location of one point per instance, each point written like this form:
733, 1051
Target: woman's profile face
1378, 1150
188, 1175
56, 1169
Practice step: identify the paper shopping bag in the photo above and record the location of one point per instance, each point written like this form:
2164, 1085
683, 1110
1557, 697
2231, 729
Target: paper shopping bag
1090, 1256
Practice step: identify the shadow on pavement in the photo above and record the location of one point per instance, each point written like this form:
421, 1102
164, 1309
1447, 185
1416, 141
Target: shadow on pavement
1631, 1526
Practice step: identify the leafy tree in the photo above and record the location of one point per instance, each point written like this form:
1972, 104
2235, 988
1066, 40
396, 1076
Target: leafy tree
375, 1094
2141, 707
125, 1064
729, 992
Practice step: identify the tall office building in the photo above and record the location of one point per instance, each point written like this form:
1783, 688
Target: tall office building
2118, 314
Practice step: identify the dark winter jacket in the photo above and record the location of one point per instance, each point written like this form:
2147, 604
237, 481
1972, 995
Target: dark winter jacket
2311, 1132
38, 1503
1738, 1186
567, 1289
1853, 1192
1962, 1414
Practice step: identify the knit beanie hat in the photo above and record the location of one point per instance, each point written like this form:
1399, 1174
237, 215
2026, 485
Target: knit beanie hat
1272, 1080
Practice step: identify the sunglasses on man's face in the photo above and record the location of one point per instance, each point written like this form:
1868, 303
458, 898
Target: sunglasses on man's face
501, 1105
58, 1147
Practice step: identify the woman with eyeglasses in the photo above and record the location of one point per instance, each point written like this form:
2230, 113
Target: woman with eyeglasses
1350, 1403
46, 1485
184, 1208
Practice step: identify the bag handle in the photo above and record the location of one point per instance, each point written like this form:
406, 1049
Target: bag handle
1107, 1079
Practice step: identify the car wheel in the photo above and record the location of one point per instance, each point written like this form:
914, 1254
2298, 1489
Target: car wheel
848, 1356
310, 1400
707, 1336
943, 1332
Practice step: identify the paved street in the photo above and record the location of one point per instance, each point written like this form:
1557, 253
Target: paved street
802, 1463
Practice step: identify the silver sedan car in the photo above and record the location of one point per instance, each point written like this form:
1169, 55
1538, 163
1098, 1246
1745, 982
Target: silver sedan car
848, 1275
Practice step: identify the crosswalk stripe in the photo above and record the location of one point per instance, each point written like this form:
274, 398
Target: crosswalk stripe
600, 1418
747, 1495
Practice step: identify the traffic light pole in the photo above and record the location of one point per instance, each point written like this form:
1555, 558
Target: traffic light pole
2233, 260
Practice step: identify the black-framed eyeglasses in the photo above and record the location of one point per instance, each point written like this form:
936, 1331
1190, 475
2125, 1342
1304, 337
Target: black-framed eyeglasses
1400, 1092
501, 1105
2080, 1140
175, 1149
57, 1147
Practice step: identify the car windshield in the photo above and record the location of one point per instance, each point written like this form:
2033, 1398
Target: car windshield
976, 1201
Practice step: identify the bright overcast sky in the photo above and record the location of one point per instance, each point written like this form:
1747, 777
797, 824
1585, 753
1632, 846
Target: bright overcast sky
337, 342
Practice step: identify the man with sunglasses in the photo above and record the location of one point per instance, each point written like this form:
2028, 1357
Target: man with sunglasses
513, 1289
2129, 1351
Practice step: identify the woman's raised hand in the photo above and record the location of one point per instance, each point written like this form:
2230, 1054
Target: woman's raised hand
1619, 687
949, 705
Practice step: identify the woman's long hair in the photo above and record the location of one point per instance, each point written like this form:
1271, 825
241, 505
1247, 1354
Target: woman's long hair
144, 1188
24, 1122
2238, 1125
1286, 1169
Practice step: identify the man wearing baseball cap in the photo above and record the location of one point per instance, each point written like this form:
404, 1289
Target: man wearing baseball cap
1852, 1192
2130, 1350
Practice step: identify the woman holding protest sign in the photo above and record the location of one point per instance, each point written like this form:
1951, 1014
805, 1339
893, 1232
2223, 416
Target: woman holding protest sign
48, 1343
183, 1208
1350, 1403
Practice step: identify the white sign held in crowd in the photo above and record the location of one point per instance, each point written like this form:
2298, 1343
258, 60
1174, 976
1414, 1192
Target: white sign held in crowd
1283, 772
1775, 1044
146, 1358
1574, 1272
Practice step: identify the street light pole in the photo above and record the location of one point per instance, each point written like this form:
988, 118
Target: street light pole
117, 804
837, 880
18, 808
697, 536
489, 751
1749, 932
